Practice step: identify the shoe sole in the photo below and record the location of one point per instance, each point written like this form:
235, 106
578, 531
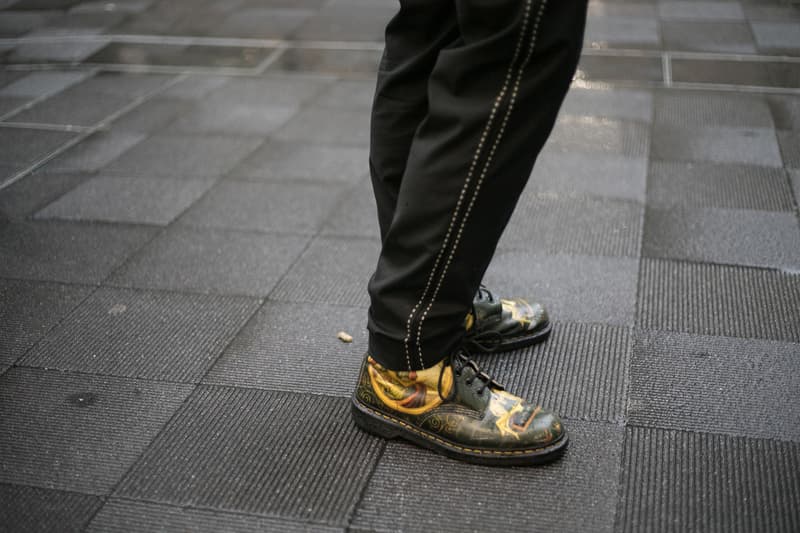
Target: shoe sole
389, 427
540, 335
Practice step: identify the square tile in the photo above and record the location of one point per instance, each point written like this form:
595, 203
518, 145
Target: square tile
697, 36
593, 135
35, 509
94, 152
698, 10
73, 106
776, 36
696, 109
355, 215
717, 144
23, 147
327, 126
231, 118
728, 236
77, 432
294, 348
280, 207
34, 191
619, 69
150, 335
136, 201
69, 252
151, 116
29, 310
234, 439
212, 261
273, 91
40, 84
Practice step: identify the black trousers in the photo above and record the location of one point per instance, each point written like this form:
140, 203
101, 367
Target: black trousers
467, 94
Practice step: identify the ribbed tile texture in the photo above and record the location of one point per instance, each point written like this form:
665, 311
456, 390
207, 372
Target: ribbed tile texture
416, 491
712, 109
33, 510
719, 300
260, 452
717, 384
580, 372
134, 517
294, 347
599, 135
78, 432
679, 481
141, 334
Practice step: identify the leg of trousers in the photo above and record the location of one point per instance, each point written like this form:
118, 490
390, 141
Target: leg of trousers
468, 92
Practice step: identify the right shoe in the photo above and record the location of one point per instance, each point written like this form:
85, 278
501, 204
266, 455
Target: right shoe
455, 409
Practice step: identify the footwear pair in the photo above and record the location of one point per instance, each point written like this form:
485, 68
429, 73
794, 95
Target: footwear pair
456, 409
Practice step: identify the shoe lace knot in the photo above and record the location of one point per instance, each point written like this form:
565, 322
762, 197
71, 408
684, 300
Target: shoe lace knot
461, 360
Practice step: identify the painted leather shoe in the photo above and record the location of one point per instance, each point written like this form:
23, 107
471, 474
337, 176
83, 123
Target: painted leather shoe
455, 409
496, 324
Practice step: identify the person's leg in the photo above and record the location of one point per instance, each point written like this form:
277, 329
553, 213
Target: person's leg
492, 101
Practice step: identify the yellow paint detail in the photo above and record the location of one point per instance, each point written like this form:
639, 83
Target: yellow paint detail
520, 310
469, 322
503, 406
411, 393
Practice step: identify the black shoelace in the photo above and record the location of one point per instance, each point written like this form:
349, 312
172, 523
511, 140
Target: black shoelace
459, 361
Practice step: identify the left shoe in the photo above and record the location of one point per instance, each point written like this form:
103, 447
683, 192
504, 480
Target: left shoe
497, 324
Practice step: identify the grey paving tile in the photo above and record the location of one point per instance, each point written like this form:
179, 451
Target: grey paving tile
732, 236
94, 152
693, 10
29, 311
15, 23
124, 84
600, 8
38, 84
35, 191
138, 201
790, 148
673, 183
348, 94
742, 72
327, 126
355, 215
68, 252
194, 86
776, 36
586, 226
720, 144
785, 111
715, 384
238, 441
294, 348
125, 515
64, 52
584, 502
333, 21
794, 176
770, 12
690, 109
580, 372
77, 22
126, 6
574, 288
149, 335
620, 68
212, 261
585, 134
22, 147
620, 104
319, 60
699, 481
9, 104
277, 160
182, 156
601, 175
710, 300
179, 55
622, 32
78, 432
231, 118
152, 116
332, 270
696, 36
73, 106
273, 91
281, 207
262, 23
10, 76
41, 510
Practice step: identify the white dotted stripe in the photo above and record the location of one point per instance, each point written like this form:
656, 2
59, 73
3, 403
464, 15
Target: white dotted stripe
484, 172
464, 189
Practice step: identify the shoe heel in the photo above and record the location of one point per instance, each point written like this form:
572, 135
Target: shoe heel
372, 424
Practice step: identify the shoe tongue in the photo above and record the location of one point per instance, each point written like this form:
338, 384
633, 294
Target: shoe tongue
484, 309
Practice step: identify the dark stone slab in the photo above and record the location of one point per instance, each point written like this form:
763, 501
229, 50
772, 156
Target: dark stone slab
790, 148
150, 335
332, 270
620, 68
38, 84
673, 183
22, 147
40, 510
693, 109
674, 480
78, 432
73, 106
182, 156
119, 515
776, 37
731, 236
584, 226
320, 60
94, 152
580, 372
584, 502
35, 191
707, 36
719, 144
231, 118
620, 104
322, 125
715, 384
608, 31
235, 440
294, 347
69, 252
281, 207
277, 160
574, 288
137, 201
355, 215
29, 311
597, 135
212, 261
710, 300
179, 55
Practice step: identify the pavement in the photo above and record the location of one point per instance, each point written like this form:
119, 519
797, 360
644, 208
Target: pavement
186, 224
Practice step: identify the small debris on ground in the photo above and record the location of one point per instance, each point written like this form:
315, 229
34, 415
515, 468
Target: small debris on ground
344, 337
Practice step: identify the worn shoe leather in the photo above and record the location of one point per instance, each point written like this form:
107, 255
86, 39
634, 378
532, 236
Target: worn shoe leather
455, 409
504, 323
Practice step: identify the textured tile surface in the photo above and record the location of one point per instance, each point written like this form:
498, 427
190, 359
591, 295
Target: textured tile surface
721, 144
143, 335
41, 510
238, 440
34, 192
323, 125
78, 432
94, 152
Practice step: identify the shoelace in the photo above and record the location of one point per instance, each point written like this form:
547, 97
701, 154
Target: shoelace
487, 341
484, 293
459, 361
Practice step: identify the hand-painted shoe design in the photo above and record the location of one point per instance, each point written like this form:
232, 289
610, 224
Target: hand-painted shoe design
496, 324
455, 409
